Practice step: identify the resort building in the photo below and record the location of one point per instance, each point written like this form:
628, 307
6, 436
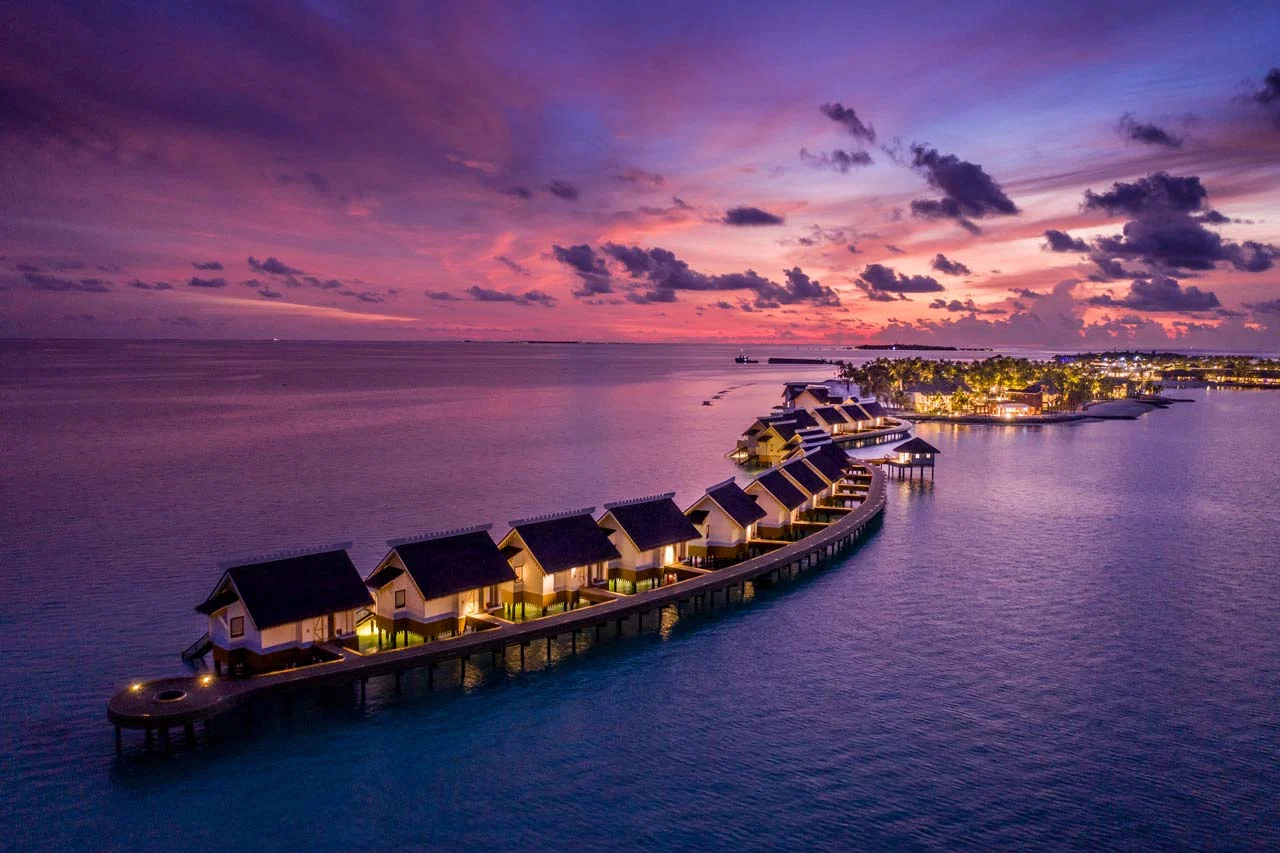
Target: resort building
274, 613
810, 395
650, 534
932, 396
781, 501
858, 417
1013, 409
829, 461
875, 411
554, 556
807, 479
832, 420
912, 455
429, 585
1036, 397
725, 518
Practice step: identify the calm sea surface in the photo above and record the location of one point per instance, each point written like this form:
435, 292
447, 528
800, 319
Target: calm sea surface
1070, 640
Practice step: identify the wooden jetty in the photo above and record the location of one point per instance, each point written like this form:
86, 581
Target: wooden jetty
161, 705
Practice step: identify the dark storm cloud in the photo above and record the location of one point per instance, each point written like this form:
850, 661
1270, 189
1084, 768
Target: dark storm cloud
1163, 234
853, 249
56, 284
519, 192
368, 296
1212, 217
272, 266
665, 274
138, 284
529, 297
838, 159
750, 216
848, 118
955, 306
1271, 306
322, 284
564, 190
881, 279
518, 269
439, 295
1026, 293
207, 265
1061, 241
1160, 294
968, 191
1158, 192
632, 175
1148, 134
1268, 95
589, 266
1178, 242
1109, 269
70, 266
268, 293
946, 266
894, 249
207, 282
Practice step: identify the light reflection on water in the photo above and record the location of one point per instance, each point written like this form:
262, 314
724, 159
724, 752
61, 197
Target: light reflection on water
1068, 639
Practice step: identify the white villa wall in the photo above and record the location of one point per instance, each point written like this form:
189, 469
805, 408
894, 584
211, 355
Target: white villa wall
778, 514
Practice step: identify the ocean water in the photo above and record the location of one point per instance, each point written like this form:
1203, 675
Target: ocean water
1068, 640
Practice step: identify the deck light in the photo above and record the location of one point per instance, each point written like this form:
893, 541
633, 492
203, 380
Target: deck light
135, 687
206, 680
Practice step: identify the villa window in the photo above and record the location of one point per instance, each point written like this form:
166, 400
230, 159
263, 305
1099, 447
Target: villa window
399, 598
237, 626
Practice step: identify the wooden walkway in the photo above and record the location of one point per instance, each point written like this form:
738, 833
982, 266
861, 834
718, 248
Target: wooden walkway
166, 703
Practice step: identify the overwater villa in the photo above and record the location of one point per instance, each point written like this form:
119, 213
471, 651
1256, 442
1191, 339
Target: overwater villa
858, 416
278, 611
833, 420
429, 586
781, 501
726, 519
555, 556
652, 537
875, 411
913, 455
810, 395
807, 479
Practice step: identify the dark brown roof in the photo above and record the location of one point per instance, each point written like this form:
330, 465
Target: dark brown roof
786, 428
873, 409
736, 503
653, 523
802, 418
855, 412
916, 445
829, 464
445, 565
567, 541
831, 415
277, 592
781, 488
805, 476
697, 516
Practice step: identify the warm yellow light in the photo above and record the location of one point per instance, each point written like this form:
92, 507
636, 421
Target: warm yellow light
135, 687
206, 680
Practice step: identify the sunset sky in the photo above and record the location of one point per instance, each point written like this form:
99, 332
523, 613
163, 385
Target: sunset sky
964, 173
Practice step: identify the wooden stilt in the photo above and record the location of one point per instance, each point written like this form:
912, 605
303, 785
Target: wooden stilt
462, 669
431, 675
189, 731
398, 673
164, 739
523, 646
119, 744
548, 649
